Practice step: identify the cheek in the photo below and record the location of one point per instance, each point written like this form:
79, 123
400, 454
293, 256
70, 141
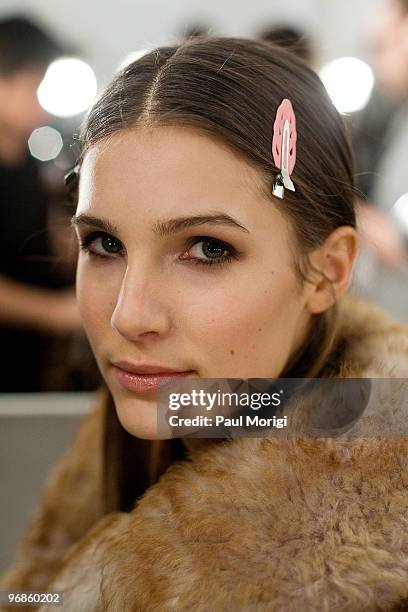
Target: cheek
245, 328
95, 300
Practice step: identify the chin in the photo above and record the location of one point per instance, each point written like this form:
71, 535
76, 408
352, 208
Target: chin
139, 418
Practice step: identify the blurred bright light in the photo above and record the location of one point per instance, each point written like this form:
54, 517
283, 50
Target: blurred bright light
68, 88
400, 212
45, 143
349, 83
132, 57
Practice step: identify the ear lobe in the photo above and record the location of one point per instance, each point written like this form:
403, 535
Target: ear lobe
332, 264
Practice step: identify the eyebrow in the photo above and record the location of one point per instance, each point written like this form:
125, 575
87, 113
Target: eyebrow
164, 228
95, 222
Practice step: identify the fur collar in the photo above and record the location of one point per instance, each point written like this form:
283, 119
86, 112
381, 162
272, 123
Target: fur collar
264, 523
374, 345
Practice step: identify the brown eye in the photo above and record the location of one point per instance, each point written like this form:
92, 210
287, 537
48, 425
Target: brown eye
110, 245
100, 244
213, 249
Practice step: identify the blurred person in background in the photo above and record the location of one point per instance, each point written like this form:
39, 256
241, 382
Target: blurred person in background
381, 140
391, 64
33, 306
298, 42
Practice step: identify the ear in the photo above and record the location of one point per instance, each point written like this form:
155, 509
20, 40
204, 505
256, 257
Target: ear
332, 264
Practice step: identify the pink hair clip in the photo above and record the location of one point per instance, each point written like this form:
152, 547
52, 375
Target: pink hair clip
284, 147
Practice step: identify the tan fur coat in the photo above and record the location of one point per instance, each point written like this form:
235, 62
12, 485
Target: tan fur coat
246, 524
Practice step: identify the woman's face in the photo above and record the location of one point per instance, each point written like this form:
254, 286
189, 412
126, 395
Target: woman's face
187, 266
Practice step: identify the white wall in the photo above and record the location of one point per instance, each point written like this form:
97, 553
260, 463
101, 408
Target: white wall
106, 30
35, 431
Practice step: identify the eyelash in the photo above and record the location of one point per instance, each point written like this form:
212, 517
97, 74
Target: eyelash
86, 242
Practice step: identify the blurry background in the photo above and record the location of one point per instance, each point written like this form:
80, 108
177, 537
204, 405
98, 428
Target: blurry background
107, 31
360, 49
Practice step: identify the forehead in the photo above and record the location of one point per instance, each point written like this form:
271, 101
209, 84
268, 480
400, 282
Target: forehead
167, 170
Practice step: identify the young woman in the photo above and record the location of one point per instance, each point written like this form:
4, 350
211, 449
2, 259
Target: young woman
193, 264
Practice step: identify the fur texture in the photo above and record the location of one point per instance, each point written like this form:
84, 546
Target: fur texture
267, 524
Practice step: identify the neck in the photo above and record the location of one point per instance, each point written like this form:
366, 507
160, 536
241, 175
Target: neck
12, 149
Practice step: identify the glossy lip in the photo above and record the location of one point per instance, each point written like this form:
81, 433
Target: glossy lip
142, 379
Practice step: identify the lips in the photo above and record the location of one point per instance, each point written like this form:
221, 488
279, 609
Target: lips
146, 378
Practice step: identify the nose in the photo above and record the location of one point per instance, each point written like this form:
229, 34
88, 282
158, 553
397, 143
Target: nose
140, 311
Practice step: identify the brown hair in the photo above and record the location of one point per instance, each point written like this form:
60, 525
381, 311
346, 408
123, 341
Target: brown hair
230, 88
